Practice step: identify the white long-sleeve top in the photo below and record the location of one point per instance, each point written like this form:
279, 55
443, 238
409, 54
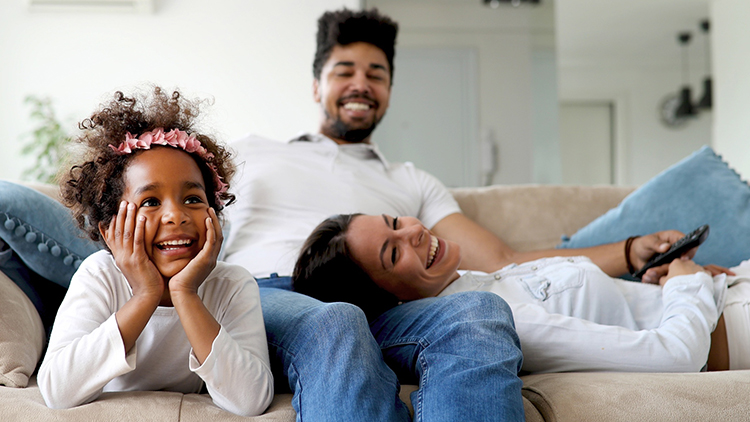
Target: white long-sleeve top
571, 316
86, 355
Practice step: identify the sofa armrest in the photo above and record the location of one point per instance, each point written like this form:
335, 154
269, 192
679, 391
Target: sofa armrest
53, 191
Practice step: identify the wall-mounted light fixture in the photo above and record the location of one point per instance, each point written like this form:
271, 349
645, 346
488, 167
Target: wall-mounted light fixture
515, 3
685, 107
109, 6
677, 109
706, 101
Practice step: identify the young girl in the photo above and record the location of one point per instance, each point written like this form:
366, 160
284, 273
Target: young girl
155, 310
569, 314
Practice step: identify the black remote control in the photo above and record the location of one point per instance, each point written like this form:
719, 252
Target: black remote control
691, 240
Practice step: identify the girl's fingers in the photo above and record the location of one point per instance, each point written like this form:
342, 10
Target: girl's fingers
119, 223
214, 237
217, 226
140, 232
109, 233
210, 236
129, 227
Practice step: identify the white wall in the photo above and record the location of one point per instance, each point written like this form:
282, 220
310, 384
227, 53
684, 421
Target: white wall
506, 41
645, 146
731, 58
636, 81
254, 57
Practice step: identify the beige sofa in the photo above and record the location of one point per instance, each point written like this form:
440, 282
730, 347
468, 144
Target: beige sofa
527, 217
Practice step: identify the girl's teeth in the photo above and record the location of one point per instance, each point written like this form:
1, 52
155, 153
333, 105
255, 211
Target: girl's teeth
169, 243
175, 242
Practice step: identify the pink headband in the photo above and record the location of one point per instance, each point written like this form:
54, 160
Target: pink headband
177, 139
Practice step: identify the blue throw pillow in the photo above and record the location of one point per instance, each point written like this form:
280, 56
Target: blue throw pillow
701, 189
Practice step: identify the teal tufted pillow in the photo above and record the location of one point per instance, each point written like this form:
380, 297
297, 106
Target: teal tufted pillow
701, 189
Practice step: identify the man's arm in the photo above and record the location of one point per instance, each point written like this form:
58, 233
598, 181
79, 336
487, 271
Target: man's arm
483, 251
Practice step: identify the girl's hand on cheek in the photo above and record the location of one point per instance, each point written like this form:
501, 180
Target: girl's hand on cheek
195, 272
124, 238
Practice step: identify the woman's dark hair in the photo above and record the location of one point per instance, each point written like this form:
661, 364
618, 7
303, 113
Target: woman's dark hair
344, 27
93, 186
326, 271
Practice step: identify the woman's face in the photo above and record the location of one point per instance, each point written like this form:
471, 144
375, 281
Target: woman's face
401, 256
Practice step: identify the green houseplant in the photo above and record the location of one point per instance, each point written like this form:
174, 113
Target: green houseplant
48, 141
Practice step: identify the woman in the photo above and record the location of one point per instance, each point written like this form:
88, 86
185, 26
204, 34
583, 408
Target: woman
569, 314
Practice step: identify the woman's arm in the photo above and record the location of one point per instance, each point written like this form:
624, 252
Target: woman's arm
483, 251
679, 343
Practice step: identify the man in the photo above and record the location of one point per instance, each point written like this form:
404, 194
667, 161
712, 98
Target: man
338, 367
285, 190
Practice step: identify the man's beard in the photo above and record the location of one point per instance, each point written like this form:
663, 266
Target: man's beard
340, 130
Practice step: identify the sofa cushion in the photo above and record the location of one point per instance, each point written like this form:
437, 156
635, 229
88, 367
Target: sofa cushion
21, 335
27, 404
602, 396
531, 217
701, 189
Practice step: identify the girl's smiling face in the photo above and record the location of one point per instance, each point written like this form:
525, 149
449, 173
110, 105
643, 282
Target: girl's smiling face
401, 256
168, 188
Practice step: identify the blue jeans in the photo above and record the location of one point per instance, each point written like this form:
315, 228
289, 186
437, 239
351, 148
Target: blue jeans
457, 348
39, 243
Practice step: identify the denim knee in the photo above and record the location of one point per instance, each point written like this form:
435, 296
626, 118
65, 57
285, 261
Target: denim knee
451, 346
319, 346
325, 326
42, 232
474, 306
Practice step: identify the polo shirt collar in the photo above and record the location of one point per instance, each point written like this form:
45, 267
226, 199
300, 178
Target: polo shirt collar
361, 150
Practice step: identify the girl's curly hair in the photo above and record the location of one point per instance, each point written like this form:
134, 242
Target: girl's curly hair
94, 186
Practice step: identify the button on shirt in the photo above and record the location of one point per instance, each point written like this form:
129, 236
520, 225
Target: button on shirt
284, 190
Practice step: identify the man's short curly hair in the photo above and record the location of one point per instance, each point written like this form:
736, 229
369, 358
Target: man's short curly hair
345, 26
94, 185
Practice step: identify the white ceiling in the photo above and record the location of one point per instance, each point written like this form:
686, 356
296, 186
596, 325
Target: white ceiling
617, 32
620, 32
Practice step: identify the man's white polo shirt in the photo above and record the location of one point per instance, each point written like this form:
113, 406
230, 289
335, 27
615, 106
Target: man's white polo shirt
285, 189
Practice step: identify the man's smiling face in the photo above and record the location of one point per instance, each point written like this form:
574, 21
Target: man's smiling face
353, 90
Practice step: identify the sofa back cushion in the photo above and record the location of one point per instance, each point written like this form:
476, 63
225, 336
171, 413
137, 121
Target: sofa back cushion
529, 217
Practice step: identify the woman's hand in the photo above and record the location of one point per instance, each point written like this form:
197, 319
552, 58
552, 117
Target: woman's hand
717, 269
682, 266
124, 237
647, 246
655, 243
195, 272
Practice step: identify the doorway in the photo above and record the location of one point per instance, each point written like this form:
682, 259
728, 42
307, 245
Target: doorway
587, 143
432, 119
